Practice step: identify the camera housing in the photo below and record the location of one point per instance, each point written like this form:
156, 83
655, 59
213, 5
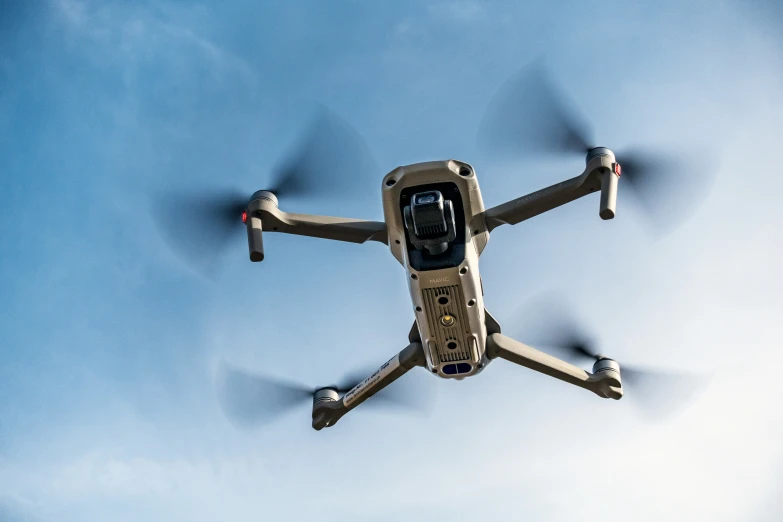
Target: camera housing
430, 222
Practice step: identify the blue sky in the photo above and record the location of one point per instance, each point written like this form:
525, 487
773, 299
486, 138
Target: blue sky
109, 343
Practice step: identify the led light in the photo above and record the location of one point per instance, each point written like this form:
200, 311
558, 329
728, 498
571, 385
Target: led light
447, 320
244, 217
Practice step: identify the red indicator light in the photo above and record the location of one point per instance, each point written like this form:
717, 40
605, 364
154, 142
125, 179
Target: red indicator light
617, 169
244, 217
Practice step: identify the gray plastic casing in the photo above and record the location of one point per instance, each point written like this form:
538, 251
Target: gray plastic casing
459, 287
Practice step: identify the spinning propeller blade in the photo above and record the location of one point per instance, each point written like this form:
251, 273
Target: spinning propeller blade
330, 160
530, 116
666, 187
199, 227
251, 400
658, 392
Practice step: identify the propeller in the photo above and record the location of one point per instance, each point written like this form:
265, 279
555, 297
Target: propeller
531, 116
252, 400
330, 159
659, 392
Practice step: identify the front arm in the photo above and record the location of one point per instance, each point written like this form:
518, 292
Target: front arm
601, 173
327, 409
264, 215
605, 384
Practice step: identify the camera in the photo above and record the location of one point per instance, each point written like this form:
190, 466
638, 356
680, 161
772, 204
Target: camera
430, 222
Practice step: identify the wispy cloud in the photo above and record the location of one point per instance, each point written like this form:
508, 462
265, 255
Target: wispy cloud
73, 12
403, 27
458, 11
110, 475
101, 472
137, 33
442, 12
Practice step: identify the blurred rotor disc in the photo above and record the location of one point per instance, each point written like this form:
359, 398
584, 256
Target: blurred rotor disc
251, 400
530, 116
551, 327
201, 223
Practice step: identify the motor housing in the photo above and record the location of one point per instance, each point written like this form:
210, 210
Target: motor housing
325, 395
255, 236
603, 160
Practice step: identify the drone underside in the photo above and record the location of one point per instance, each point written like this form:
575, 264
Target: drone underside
436, 226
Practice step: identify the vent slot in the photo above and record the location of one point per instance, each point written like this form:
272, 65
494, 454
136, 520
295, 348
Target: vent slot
448, 301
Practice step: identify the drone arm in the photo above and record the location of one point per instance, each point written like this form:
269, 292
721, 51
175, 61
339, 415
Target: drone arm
531, 205
603, 384
326, 227
263, 214
327, 413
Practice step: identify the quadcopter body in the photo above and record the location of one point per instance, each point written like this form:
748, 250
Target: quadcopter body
436, 227
434, 223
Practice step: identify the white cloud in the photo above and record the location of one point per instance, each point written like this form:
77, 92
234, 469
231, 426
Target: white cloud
191, 487
106, 473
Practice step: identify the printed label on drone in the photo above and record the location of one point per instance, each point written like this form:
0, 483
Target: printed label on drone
360, 389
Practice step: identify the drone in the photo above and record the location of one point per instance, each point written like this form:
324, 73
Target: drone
436, 226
